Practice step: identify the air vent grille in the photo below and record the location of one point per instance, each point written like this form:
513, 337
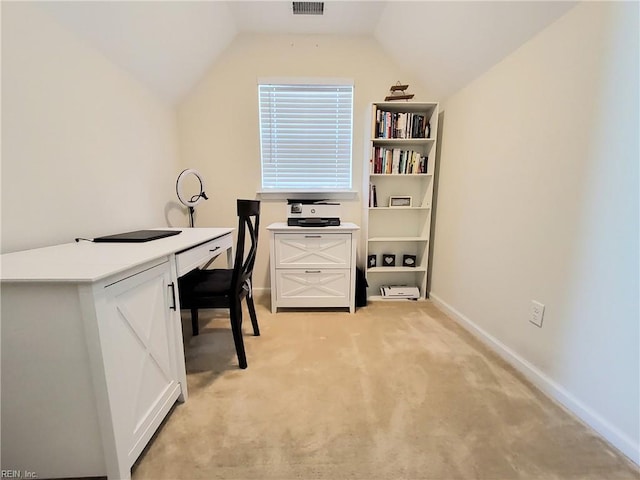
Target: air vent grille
308, 8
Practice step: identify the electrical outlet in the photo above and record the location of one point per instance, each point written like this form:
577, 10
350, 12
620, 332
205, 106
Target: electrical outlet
536, 312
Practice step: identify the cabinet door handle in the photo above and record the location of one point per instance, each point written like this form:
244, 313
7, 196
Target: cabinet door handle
173, 295
313, 271
313, 236
214, 249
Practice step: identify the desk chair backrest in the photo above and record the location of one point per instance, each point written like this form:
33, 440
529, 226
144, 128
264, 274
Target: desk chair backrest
248, 223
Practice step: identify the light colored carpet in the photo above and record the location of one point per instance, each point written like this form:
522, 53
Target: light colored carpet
395, 391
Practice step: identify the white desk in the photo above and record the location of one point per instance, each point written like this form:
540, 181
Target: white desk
92, 351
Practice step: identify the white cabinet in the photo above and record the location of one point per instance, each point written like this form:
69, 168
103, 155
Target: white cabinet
312, 266
401, 158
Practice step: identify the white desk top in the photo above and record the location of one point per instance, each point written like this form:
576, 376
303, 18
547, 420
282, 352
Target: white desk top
343, 227
89, 262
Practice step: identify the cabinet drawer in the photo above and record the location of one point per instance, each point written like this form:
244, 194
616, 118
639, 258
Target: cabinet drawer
196, 256
313, 288
313, 250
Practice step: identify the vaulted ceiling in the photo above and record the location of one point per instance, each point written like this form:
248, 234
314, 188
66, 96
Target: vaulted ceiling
170, 45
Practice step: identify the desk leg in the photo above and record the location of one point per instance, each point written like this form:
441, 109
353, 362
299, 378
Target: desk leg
230, 257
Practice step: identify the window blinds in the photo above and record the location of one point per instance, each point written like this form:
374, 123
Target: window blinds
305, 136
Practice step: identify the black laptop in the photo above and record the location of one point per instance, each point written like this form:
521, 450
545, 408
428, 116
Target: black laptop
136, 236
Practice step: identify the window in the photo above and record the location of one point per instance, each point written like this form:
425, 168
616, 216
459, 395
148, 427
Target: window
305, 136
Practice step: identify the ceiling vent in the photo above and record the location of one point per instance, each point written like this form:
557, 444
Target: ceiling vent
308, 8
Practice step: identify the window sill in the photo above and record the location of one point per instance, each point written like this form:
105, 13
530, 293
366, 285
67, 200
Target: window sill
307, 194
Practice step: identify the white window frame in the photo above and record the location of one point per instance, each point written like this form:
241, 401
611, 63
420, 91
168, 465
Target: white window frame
330, 192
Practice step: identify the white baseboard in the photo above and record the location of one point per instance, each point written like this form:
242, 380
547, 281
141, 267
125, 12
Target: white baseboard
259, 292
609, 432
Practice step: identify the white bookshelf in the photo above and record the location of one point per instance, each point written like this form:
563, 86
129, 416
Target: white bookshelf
402, 230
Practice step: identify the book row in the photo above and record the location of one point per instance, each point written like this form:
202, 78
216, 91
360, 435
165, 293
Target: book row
401, 125
397, 161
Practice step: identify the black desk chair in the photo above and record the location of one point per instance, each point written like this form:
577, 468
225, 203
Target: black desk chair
225, 288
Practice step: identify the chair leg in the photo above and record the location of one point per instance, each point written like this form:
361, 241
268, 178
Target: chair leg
195, 328
236, 328
252, 314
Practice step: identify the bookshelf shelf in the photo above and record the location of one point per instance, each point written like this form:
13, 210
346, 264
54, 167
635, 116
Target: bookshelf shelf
398, 208
380, 298
402, 141
402, 175
400, 155
398, 239
386, 270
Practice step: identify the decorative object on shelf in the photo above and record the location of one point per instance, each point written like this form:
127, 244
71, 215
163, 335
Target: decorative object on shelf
408, 260
190, 201
371, 261
401, 201
398, 93
388, 260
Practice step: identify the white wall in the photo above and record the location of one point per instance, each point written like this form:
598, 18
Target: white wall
538, 199
219, 125
86, 150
